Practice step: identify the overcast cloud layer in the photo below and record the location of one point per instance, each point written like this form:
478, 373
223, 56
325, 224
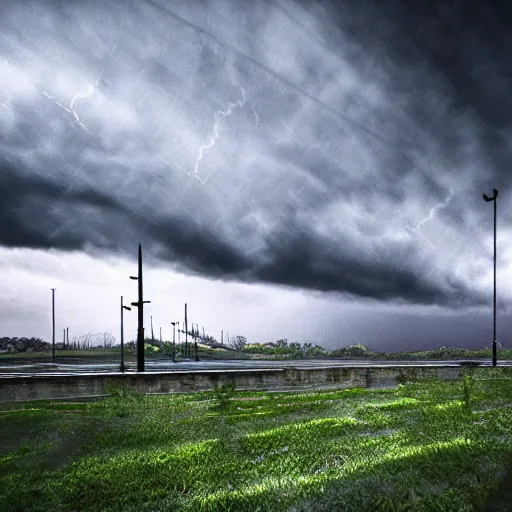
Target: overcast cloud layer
337, 150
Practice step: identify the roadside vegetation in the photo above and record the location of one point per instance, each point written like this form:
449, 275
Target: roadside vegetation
424, 446
104, 346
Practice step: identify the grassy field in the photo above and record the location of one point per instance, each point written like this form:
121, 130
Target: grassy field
108, 353
205, 352
430, 446
114, 354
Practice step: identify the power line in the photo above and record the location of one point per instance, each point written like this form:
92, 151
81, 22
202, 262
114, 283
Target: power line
282, 79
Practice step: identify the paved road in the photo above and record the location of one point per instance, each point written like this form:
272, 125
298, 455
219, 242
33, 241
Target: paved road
12, 369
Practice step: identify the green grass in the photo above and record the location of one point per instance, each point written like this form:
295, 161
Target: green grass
72, 353
426, 446
207, 353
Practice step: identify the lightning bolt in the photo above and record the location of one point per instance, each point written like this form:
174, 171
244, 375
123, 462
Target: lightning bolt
431, 214
256, 117
218, 116
88, 92
71, 109
183, 170
248, 202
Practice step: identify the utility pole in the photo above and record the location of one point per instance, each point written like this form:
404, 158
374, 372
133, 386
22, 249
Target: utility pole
152, 333
67, 337
186, 332
195, 344
122, 333
53, 325
488, 199
179, 337
140, 324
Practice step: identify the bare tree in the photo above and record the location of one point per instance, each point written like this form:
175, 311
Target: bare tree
239, 343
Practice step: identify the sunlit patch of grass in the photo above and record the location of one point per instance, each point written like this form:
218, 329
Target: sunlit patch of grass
144, 474
296, 433
396, 404
410, 475
277, 492
448, 406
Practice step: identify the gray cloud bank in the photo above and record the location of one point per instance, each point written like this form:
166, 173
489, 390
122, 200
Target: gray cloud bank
284, 143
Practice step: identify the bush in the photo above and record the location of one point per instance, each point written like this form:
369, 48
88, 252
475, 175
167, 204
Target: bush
223, 394
150, 349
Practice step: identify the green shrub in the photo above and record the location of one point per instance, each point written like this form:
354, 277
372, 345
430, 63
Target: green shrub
223, 394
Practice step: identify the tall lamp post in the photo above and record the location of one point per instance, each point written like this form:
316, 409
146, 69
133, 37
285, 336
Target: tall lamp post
196, 334
186, 332
174, 341
488, 199
179, 337
53, 325
122, 333
140, 324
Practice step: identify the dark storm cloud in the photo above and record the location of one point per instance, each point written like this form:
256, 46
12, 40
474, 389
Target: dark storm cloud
465, 47
308, 145
311, 263
197, 248
34, 211
28, 217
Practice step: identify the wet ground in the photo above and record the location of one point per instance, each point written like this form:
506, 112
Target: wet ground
73, 366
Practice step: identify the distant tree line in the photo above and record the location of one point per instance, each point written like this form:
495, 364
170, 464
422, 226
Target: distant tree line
239, 346
23, 344
84, 342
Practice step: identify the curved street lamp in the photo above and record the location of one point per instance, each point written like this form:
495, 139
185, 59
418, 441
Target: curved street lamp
174, 340
53, 324
489, 199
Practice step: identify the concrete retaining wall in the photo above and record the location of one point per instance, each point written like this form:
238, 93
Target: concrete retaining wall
40, 386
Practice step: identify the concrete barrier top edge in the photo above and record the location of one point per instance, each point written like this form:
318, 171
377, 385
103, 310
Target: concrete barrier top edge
233, 372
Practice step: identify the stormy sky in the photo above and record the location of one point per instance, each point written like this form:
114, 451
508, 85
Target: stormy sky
298, 169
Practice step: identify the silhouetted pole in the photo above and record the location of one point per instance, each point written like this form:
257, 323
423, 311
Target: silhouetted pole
122, 333
488, 199
195, 343
174, 341
67, 337
152, 333
179, 337
140, 324
53, 325
186, 332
